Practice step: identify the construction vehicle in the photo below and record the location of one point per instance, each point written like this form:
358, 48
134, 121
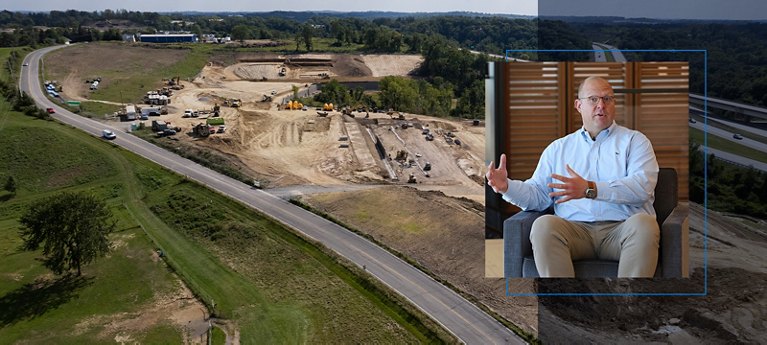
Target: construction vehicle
294, 105
158, 126
411, 179
347, 111
427, 166
322, 113
327, 107
202, 130
234, 102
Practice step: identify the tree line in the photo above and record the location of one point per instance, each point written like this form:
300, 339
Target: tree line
736, 52
731, 188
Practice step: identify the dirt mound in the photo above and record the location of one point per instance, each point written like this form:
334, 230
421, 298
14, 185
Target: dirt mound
350, 66
386, 65
731, 311
721, 316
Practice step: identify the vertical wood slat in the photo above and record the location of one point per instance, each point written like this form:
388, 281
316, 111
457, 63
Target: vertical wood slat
662, 117
536, 94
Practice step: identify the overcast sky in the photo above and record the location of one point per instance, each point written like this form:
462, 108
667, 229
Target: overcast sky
676, 9
526, 7
666, 9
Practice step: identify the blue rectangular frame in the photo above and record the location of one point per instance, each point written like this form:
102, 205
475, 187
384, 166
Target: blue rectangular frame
705, 174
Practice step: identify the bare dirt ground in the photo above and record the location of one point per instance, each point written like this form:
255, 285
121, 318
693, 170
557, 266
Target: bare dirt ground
287, 148
381, 66
732, 310
180, 309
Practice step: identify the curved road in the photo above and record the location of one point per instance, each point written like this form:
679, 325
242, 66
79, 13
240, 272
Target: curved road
460, 317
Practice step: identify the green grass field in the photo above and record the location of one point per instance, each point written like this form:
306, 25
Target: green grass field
273, 285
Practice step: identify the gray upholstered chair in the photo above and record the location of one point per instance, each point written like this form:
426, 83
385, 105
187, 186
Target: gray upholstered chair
674, 244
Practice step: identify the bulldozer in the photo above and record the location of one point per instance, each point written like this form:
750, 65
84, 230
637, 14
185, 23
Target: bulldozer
234, 102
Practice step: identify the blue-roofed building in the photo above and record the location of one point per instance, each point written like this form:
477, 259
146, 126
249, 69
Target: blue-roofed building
168, 38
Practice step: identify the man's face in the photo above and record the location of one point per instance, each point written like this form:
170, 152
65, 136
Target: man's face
600, 115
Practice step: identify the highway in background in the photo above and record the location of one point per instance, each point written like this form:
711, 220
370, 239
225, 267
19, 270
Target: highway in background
460, 317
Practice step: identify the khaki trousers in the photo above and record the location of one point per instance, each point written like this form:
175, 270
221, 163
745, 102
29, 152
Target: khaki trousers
633, 243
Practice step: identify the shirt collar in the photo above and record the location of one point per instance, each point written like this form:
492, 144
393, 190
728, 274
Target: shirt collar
603, 133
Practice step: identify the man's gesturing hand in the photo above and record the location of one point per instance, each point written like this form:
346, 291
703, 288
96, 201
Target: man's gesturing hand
574, 187
498, 178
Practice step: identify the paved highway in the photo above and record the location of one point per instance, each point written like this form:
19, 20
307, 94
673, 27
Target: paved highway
599, 56
756, 145
460, 317
733, 158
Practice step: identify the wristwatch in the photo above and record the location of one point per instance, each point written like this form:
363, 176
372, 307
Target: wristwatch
591, 191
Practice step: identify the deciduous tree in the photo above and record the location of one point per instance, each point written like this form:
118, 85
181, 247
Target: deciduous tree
72, 228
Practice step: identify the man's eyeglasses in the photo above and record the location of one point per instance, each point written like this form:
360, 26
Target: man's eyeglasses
594, 100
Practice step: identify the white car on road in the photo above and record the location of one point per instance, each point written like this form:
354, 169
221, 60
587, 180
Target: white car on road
108, 134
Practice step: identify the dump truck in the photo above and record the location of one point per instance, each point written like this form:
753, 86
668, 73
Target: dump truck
158, 126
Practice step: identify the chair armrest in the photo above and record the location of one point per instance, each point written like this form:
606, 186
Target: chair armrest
516, 241
675, 244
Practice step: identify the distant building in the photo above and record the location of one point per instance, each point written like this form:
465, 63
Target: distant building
168, 38
211, 38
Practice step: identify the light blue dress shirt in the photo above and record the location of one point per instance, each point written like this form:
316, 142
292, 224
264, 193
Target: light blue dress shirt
621, 161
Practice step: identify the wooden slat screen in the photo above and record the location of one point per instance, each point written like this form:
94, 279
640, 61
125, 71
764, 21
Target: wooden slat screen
663, 112
536, 103
541, 98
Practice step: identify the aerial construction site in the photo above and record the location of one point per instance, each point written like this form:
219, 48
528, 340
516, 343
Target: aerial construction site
316, 146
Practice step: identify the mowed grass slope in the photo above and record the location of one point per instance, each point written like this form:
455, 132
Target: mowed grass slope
38, 307
271, 284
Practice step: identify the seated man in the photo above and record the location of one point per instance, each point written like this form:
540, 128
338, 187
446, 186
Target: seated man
601, 181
